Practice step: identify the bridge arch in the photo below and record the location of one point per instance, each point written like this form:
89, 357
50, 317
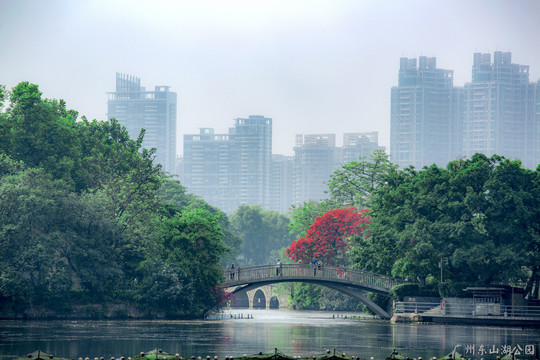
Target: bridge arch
241, 299
351, 282
274, 302
259, 300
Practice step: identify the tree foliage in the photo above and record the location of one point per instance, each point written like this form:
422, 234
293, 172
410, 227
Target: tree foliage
328, 237
263, 233
52, 251
87, 217
354, 183
304, 215
192, 244
174, 195
41, 133
480, 214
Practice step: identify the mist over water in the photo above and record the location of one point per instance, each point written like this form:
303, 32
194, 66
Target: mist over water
291, 332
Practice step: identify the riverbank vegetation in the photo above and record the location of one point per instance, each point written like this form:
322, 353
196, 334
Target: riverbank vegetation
91, 227
474, 223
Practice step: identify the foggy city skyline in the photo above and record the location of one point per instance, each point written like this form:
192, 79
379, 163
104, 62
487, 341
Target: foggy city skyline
313, 67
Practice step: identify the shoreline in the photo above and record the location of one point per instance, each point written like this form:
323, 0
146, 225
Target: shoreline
466, 320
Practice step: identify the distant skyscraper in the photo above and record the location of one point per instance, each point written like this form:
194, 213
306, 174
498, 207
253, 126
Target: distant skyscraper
229, 170
425, 115
434, 122
315, 158
207, 168
499, 114
537, 132
252, 138
281, 183
356, 145
155, 111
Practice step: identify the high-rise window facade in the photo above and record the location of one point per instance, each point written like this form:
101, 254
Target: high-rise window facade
207, 167
315, 158
356, 145
424, 121
434, 122
499, 116
233, 169
155, 111
281, 185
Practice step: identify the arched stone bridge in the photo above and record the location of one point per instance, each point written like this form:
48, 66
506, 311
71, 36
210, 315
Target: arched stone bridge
350, 282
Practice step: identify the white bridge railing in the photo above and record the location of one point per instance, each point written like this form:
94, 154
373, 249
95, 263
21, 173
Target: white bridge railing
448, 308
301, 272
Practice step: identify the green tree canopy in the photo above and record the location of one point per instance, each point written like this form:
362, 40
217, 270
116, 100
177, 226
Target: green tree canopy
354, 183
41, 133
479, 213
263, 233
52, 251
87, 217
172, 193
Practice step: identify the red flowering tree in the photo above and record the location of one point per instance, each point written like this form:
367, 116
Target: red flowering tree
327, 238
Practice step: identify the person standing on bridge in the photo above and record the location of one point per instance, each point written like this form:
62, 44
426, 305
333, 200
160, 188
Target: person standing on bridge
315, 262
278, 268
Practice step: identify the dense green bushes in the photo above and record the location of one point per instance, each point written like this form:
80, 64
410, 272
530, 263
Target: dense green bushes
88, 219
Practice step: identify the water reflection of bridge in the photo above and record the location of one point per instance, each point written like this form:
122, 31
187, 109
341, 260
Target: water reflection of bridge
351, 282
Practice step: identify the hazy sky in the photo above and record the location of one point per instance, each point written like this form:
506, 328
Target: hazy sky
313, 66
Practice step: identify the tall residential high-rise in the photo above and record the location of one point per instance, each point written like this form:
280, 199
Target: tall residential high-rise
499, 114
252, 138
207, 168
537, 116
233, 169
356, 145
315, 158
425, 115
155, 111
496, 113
281, 183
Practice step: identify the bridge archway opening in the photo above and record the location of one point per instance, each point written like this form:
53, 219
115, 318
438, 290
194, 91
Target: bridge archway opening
259, 300
274, 302
241, 300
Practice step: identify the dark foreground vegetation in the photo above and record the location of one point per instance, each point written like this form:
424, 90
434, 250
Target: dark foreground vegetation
91, 227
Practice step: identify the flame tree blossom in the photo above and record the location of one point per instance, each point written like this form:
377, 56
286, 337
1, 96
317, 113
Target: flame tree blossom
327, 239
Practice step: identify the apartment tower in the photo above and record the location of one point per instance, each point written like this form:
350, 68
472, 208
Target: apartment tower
233, 169
155, 111
425, 115
499, 113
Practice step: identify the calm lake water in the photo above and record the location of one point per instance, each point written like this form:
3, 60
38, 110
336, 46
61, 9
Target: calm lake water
291, 332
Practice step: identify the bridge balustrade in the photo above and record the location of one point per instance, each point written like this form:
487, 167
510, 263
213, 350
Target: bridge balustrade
307, 271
